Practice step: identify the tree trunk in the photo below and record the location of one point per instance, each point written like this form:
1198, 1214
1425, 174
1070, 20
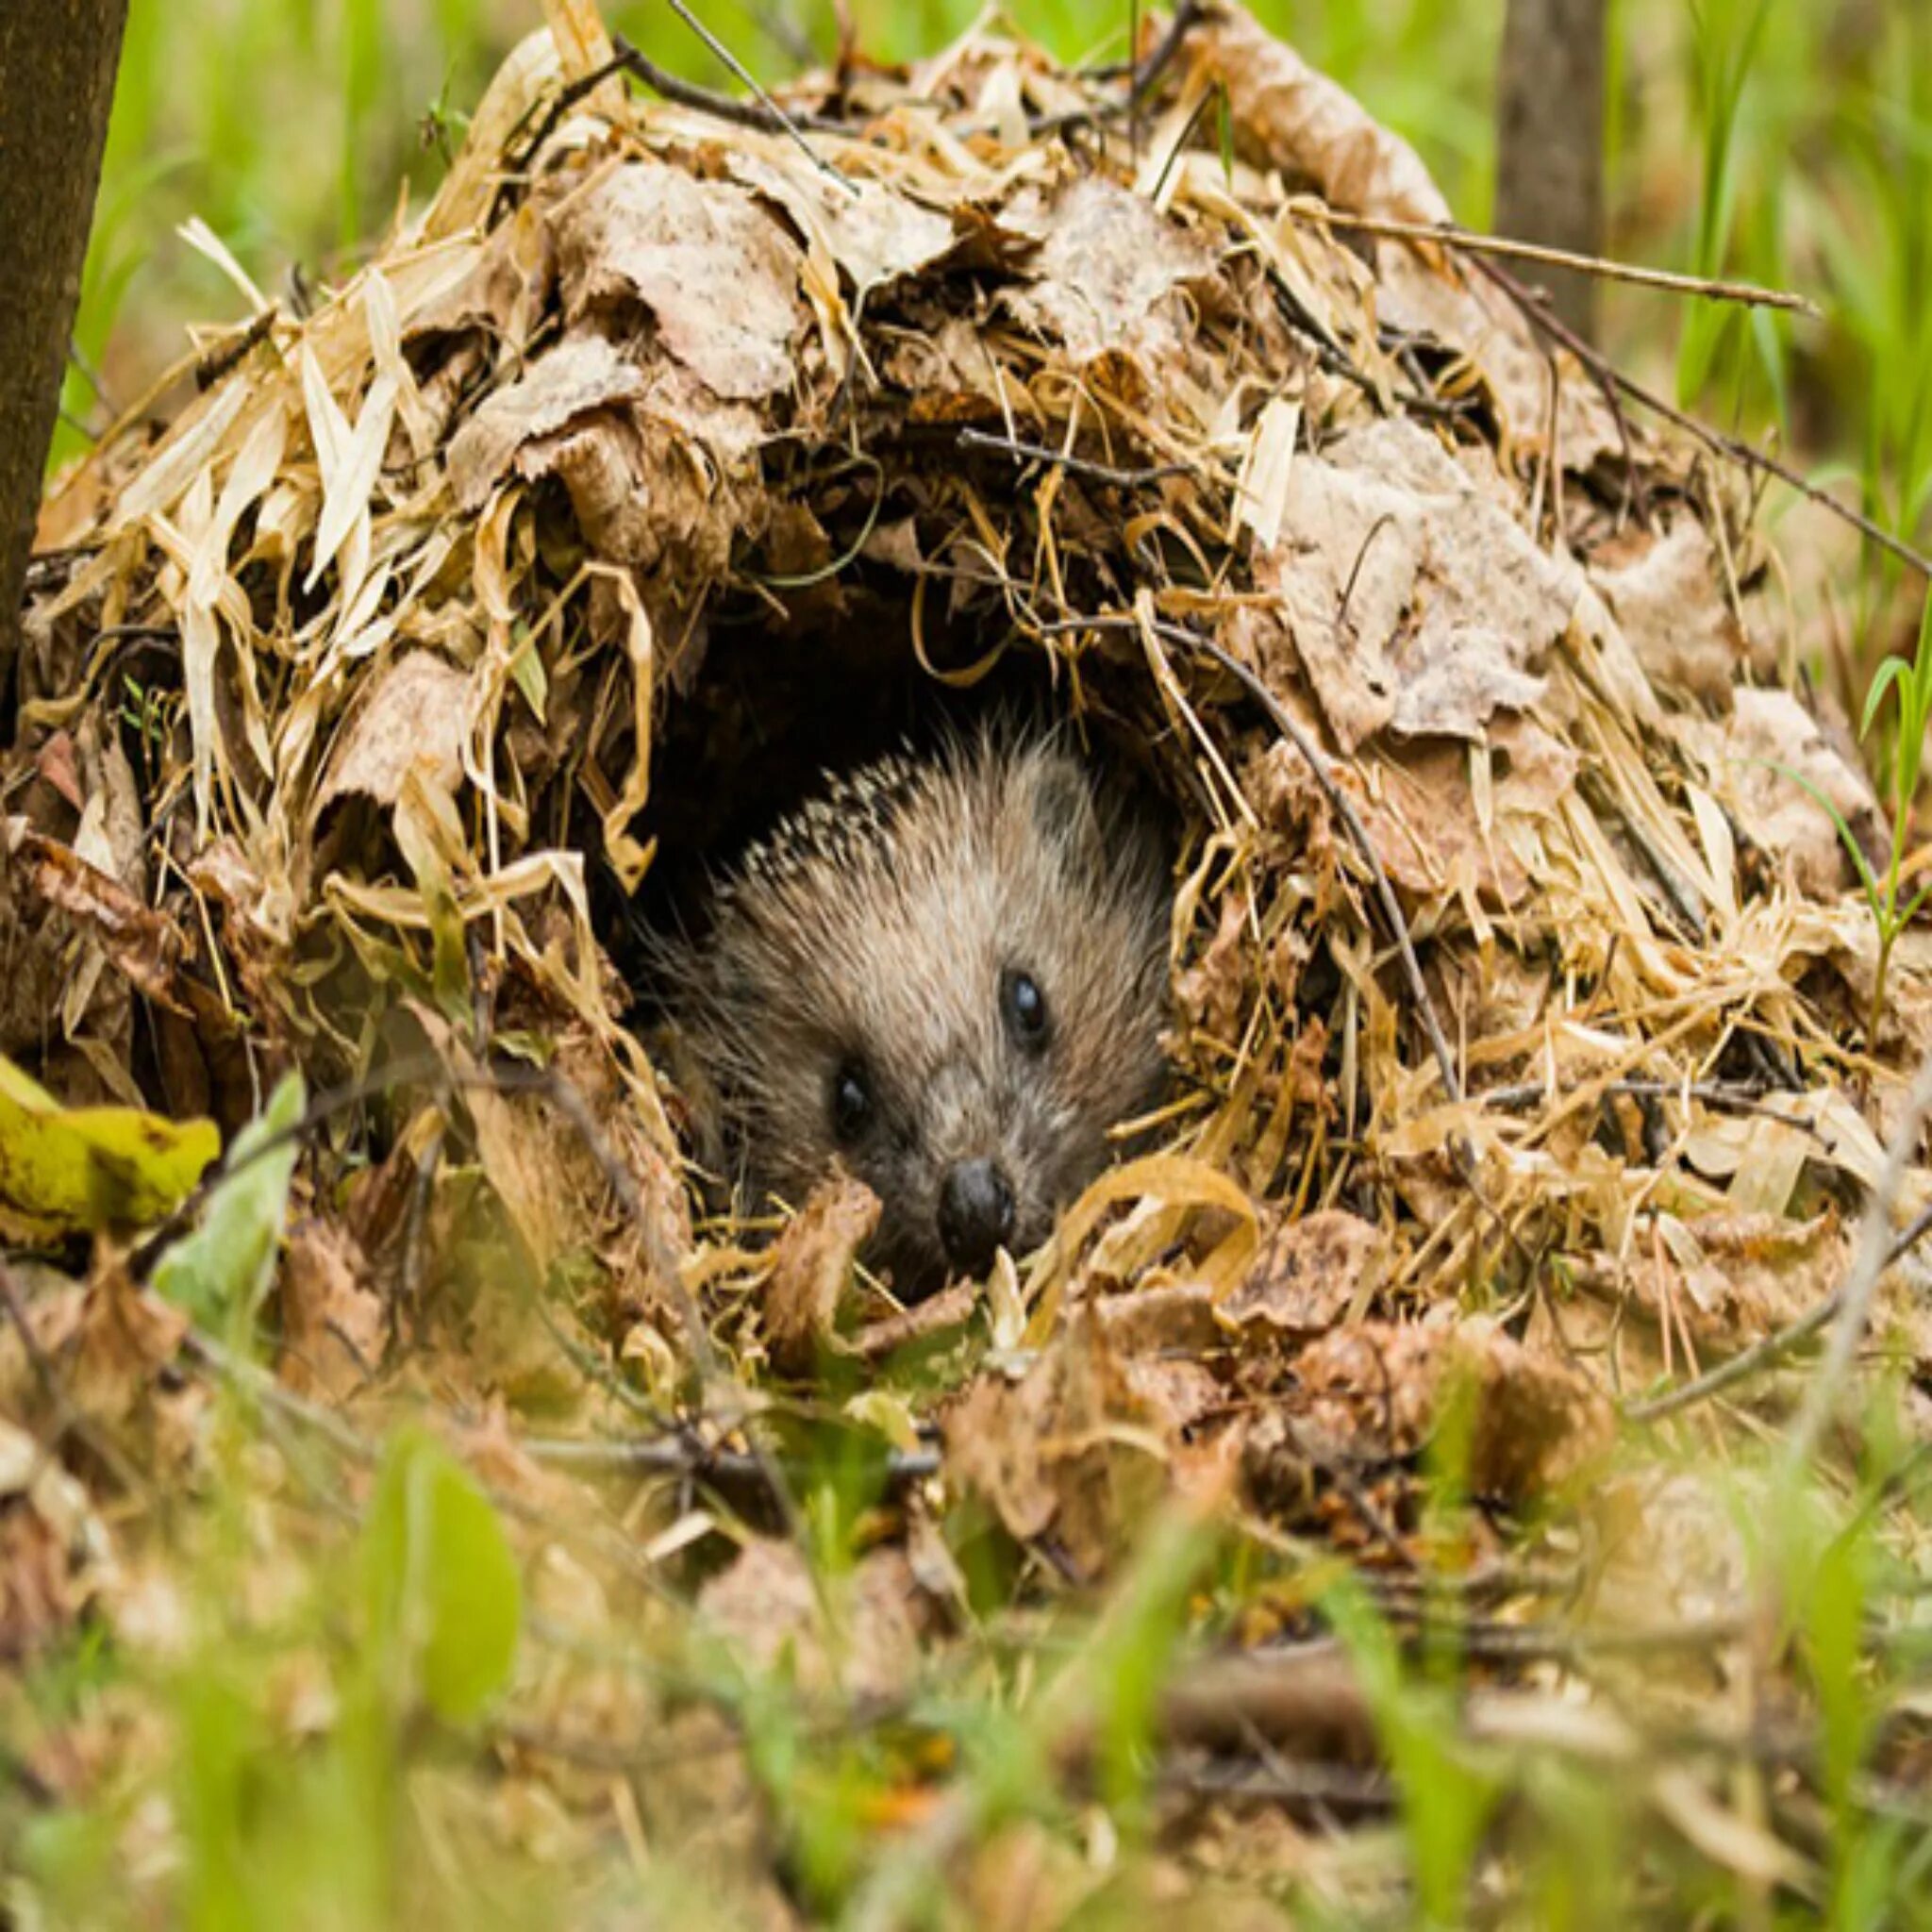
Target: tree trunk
1550, 140
56, 84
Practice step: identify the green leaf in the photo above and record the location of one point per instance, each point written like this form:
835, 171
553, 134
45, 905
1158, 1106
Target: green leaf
1875, 892
75, 1170
1922, 661
1888, 675
223, 1270
443, 1594
526, 670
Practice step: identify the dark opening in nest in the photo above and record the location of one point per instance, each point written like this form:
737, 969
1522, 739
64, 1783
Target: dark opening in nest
755, 719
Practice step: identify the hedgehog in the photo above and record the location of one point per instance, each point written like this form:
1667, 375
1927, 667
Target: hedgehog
945, 974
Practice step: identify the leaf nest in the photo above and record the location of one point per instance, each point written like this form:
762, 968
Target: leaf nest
374, 672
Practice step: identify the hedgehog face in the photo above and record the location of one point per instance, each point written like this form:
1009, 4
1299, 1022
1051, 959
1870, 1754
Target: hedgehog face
949, 977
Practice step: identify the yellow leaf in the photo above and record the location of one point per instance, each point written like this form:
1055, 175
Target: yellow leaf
68, 1169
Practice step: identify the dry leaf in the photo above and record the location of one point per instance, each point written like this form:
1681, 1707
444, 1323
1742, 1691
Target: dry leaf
1107, 273
1305, 1277
416, 717
719, 275
812, 1269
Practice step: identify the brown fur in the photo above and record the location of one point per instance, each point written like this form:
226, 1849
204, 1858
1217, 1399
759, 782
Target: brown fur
874, 925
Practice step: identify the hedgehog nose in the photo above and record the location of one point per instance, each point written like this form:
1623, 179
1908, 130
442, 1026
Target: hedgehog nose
976, 1213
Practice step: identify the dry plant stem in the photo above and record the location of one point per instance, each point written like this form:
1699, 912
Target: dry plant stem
750, 81
1874, 1256
230, 354
682, 1455
1147, 76
1711, 1093
1343, 807
1339, 803
1075, 466
763, 113
1324, 1788
1467, 242
1748, 455
1768, 1353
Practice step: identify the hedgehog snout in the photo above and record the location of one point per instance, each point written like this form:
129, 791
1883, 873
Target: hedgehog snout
977, 1213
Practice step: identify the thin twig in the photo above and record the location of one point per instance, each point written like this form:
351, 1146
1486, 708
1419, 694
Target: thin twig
1773, 1348
1343, 807
1467, 242
685, 1455
566, 97
1281, 1781
1148, 74
1209, 98
1711, 1093
762, 112
1874, 1256
92, 376
1075, 466
1748, 455
228, 355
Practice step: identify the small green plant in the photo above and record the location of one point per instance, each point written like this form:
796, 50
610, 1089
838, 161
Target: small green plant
1725, 39
1447, 1796
1890, 917
1913, 683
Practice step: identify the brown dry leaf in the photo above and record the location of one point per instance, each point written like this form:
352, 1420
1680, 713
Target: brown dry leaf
1213, 990
877, 236
1721, 1281
1663, 589
1108, 271
1771, 735
1431, 835
1178, 1319
937, 1314
1305, 1277
53, 1548
1458, 308
1073, 1449
1307, 125
124, 1336
335, 1329
145, 946
1414, 601
504, 287
580, 376
947, 373
767, 1608
718, 274
416, 716
812, 1268
1374, 1394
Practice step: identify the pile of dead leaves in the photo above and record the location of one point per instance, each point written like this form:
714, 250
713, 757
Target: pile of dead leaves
372, 675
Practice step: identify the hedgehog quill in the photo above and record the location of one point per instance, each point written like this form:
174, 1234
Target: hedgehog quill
949, 975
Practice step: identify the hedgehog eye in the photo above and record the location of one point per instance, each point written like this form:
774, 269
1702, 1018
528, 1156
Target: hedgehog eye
1025, 1008
851, 1102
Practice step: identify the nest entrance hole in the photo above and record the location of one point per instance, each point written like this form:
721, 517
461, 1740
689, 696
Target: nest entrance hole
759, 710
